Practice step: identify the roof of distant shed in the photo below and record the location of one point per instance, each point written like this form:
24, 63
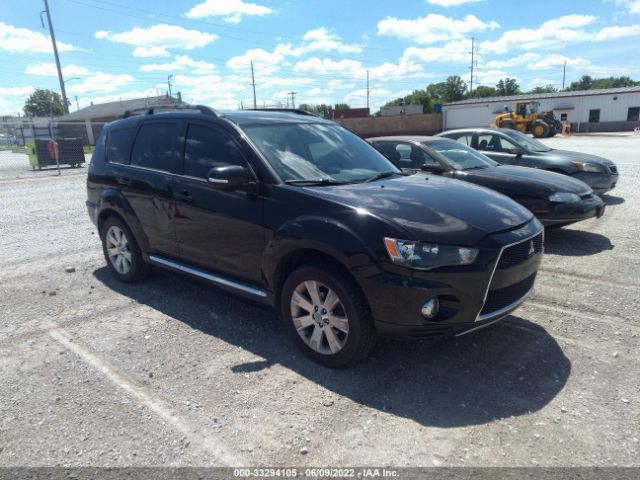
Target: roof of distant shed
116, 109
539, 96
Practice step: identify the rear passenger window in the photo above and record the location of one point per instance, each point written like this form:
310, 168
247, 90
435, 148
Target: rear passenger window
464, 139
208, 148
155, 146
120, 145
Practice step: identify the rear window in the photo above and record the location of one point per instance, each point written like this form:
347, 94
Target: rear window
120, 145
155, 146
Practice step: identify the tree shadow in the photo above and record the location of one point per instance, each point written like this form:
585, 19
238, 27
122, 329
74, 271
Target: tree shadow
575, 243
612, 200
511, 368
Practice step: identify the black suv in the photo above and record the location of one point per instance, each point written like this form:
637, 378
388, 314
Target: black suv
298, 213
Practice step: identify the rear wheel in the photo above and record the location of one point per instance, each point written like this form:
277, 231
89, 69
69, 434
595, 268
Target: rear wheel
327, 315
540, 129
121, 251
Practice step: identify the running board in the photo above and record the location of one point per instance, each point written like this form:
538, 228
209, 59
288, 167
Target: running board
211, 277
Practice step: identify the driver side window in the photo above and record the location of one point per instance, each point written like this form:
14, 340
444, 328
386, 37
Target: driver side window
494, 143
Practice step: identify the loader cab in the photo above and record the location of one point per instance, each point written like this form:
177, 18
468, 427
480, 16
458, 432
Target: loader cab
526, 109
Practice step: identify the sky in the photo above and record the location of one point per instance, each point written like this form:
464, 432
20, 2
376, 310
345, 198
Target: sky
320, 49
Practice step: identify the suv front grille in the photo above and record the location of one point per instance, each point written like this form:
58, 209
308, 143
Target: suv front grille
503, 297
521, 252
613, 169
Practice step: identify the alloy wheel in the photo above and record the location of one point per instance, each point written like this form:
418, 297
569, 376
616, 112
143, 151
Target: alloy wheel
118, 250
319, 317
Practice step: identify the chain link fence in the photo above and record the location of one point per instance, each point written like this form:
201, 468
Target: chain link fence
42, 144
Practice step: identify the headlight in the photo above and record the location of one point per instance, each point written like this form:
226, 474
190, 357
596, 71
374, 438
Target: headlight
425, 256
564, 197
589, 167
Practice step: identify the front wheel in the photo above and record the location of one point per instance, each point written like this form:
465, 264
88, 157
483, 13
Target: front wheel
327, 315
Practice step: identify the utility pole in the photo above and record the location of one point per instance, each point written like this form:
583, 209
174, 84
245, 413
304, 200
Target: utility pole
169, 83
77, 104
65, 106
473, 53
253, 84
293, 99
368, 91
564, 74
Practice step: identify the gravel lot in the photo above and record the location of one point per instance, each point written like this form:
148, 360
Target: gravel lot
175, 372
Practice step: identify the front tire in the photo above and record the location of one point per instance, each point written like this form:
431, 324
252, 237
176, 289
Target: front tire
121, 251
327, 315
540, 129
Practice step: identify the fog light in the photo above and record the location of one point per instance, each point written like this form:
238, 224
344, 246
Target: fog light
430, 308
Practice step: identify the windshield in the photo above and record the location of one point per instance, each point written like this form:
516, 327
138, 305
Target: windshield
318, 152
528, 143
460, 156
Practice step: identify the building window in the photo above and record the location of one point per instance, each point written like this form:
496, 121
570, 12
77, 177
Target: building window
594, 116
563, 117
634, 114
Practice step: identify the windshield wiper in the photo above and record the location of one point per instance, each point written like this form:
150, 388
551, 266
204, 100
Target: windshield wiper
474, 168
381, 175
316, 181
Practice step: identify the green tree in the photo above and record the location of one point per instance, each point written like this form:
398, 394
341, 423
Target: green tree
585, 83
454, 89
417, 97
589, 83
546, 89
508, 86
43, 103
342, 106
437, 92
483, 91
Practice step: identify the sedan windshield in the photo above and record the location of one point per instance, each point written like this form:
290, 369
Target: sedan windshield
528, 143
318, 153
460, 156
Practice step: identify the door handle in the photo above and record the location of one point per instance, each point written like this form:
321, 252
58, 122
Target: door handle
183, 195
124, 181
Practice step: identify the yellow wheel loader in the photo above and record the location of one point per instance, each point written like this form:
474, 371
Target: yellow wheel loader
528, 119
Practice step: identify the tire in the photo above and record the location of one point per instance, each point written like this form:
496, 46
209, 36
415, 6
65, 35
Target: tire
337, 336
540, 129
510, 124
552, 132
121, 251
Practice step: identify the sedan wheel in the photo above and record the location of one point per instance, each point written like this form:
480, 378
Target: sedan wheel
319, 317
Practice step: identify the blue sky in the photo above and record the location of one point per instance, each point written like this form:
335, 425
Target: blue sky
321, 49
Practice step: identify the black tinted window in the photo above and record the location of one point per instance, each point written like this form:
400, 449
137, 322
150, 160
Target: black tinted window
155, 146
120, 145
208, 148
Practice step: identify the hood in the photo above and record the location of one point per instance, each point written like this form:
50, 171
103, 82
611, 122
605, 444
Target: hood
523, 181
432, 208
581, 157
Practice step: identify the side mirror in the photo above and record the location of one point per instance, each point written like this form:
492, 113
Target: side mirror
515, 151
433, 168
229, 177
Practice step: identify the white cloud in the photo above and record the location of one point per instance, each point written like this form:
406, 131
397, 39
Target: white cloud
317, 65
513, 61
615, 32
155, 40
319, 39
48, 69
181, 62
258, 56
101, 82
552, 34
539, 82
455, 52
22, 40
231, 9
632, 6
433, 28
450, 3
15, 91
554, 61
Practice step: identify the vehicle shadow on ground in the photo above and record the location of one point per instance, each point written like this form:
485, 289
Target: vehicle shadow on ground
575, 243
511, 368
612, 200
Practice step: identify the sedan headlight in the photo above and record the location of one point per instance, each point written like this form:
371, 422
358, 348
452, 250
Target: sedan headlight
589, 167
425, 256
564, 197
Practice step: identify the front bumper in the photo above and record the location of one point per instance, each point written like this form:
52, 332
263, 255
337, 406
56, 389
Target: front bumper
551, 214
600, 183
470, 297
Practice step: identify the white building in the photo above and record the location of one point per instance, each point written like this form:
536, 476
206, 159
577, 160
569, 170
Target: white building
614, 109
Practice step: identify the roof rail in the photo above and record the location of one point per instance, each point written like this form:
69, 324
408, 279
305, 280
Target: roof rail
151, 110
297, 111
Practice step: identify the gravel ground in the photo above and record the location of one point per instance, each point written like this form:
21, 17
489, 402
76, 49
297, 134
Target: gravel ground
174, 372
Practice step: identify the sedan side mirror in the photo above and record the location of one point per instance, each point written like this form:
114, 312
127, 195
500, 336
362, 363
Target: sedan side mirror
433, 168
515, 151
229, 177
